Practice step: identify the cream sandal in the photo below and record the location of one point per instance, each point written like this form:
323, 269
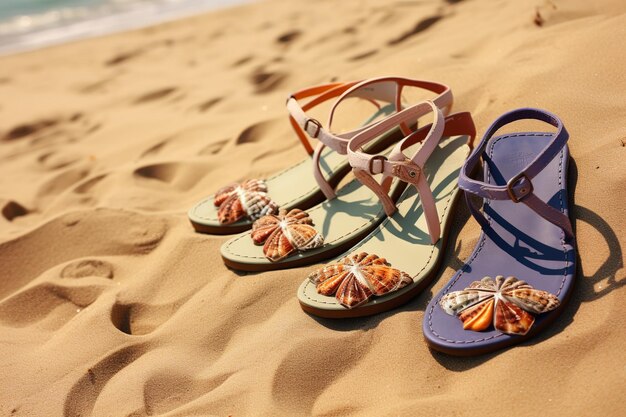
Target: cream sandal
413, 236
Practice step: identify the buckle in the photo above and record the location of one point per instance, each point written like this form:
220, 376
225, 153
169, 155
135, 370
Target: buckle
382, 160
407, 170
511, 183
317, 130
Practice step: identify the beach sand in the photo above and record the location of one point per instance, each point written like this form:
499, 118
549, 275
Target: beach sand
111, 305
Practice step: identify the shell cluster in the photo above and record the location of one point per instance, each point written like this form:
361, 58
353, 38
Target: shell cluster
285, 233
353, 280
506, 303
248, 199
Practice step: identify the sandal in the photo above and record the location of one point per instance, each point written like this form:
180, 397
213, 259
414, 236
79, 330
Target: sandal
234, 208
413, 236
531, 244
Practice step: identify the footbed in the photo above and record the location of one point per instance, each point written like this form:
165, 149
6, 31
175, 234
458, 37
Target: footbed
287, 188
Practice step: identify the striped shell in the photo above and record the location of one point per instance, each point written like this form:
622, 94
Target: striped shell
508, 304
248, 199
356, 278
285, 233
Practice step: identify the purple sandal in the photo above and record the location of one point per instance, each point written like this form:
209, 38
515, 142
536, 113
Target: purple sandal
521, 272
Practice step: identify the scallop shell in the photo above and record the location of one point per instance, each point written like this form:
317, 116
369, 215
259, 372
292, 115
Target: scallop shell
508, 304
248, 199
356, 278
285, 233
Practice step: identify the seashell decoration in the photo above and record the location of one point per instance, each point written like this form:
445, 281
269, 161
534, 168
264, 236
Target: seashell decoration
285, 233
356, 278
508, 304
246, 199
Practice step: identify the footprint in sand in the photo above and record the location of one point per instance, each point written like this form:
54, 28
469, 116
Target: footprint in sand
83, 395
266, 81
70, 128
288, 37
206, 105
543, 13
363, 55
48, 305
421, 26
87, 185
166, 391
12, 209
242, 61
179, 175
123, 57
322, 361
142, 318
28, 129
55, 159
53, 187
82, 234
155, 95
97, 86
155, 149
160, 387
214, 147
265, 129
88, 268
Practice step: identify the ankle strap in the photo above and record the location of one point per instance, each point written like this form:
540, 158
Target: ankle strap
385, 89
389, 89
409, 170
518, 189
298, 118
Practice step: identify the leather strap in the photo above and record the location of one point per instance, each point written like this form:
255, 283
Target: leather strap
384, 89
297, 116
407, 169
519, 189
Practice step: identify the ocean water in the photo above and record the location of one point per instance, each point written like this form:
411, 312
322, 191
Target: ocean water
32, 24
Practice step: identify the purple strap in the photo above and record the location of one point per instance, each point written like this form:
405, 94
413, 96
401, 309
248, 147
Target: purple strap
519, 189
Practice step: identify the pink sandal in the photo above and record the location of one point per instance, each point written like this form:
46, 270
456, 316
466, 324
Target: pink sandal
413, 236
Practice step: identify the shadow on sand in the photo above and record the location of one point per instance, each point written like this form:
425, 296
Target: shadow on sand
585, 290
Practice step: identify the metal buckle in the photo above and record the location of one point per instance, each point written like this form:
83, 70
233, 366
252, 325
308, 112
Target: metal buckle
382, 160
511, 183
316, 123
